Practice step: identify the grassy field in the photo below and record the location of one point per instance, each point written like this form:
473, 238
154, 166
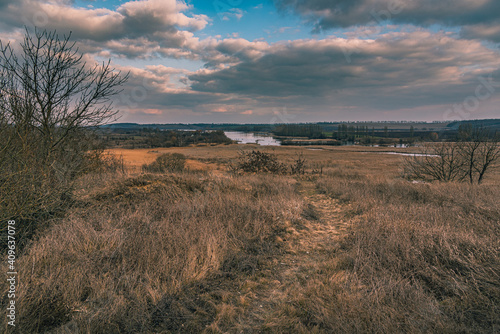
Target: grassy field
363, 158
349, 247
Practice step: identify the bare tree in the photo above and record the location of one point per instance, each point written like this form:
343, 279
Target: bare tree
441, 162
488, 155
49, 98
480, 150
468, 159
50, 90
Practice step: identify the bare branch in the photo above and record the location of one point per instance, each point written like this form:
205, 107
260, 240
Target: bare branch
469, 159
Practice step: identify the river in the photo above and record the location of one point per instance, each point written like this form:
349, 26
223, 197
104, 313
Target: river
251, 138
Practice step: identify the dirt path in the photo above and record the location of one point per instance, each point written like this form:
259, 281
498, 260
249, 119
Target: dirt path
310, 243
262, 293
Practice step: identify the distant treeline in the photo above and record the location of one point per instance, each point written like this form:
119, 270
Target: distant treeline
326, 126
311, 131
345, 133
365, 135
151, 138
383, 132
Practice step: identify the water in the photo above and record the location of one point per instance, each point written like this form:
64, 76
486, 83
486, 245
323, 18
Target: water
251, 138
394, 145
408, 154
266, 140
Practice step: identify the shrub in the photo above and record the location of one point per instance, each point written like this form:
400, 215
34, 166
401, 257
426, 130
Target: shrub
168, 162
299, 165
98, 161
259, 162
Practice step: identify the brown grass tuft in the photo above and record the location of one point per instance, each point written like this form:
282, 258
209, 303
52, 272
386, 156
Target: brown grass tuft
419, 258
120, 260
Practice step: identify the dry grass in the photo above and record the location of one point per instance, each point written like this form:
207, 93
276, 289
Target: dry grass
134, 242
354, 250
364, 159
419, 258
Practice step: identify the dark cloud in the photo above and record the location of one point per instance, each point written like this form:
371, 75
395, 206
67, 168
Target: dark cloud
397, 70
4, 3
159, 88
379, 72
482, 31
327, 14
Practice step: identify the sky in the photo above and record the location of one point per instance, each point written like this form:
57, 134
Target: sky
284, 61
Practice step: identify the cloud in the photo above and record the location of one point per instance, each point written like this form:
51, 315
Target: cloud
231, 13
156, 26
4, 3
401, 67
327, 14
395, 70
241, 49
410, 71
482, 31
147, 16
158, 87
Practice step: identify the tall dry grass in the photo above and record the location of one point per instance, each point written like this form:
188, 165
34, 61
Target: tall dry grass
419, 258
131, 243
168, 253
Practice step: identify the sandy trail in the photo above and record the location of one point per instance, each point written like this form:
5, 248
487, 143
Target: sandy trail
308, 244
262, 298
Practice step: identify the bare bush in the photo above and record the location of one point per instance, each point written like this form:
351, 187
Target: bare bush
49, 100
299, 165
49, 90
259, 162
168, 162
442, 162
469, 159
100, 161
480, 150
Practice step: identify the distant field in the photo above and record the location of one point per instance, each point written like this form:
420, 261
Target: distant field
364, 159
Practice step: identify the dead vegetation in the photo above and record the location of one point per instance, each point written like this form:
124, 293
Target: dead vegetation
418, 258
168, 162
468, 160
50, 99
257, 161
357, 249
132, 244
